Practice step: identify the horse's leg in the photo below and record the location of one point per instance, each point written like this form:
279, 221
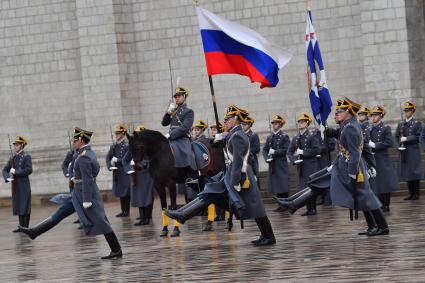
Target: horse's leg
163, 198
173, 200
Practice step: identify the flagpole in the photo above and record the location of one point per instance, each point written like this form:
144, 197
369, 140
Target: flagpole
214, 103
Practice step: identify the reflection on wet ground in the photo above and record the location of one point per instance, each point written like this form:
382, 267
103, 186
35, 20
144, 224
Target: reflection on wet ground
322, 248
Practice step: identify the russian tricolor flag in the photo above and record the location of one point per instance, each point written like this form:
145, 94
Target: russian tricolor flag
234, 49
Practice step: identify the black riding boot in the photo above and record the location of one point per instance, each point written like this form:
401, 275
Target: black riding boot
281, 196
188, 211
386, 202
39, 229
267, 235
381, 224
142, 217
371, 225
126, 207
148, 213
416, 189
221, 214
21, 223
122, 207
113, 243
293, 205
26, 220
410, 188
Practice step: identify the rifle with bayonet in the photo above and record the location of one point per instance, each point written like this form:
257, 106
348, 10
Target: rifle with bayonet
11, 165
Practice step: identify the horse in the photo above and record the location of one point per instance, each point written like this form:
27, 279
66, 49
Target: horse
152, 145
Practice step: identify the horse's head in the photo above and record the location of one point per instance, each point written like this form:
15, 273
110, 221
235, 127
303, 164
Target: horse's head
147, 144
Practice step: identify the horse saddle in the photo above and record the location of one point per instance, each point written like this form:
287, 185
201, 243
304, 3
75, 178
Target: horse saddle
201, 153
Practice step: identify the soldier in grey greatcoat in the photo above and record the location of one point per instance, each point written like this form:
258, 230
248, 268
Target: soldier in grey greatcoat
142, 186
237, 188
381, 139
120, 179
254, 147
349, 179
180, 119
363, 118
17, 171
323, 161
302, 152
86, 197
274, 153
407, 136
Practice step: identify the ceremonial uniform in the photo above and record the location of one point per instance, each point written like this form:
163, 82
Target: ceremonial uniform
409, 164
307, 143
181, 121
121, 181
277, 174
86, 196
254, 150
322, 160
349, 184
21, 162
237, 187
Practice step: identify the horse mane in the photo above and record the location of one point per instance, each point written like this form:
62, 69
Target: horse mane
157, 148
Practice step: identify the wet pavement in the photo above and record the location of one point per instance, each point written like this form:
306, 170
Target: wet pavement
322, 248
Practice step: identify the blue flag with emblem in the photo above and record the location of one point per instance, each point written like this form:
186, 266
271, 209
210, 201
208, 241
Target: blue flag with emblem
320, 98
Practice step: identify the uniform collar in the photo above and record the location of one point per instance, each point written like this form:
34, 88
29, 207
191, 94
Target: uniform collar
236, 128
84, 147
410, 119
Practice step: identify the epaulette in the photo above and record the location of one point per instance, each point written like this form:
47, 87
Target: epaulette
83, 153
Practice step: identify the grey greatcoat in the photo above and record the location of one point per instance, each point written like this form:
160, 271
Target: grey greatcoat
246, 203
21, 195
142, 187
386, 180
350, 162
120, 179
254, 150
277, 175
409, 161
310, 144
86, 169
180, 124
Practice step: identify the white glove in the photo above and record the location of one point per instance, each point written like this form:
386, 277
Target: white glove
237, 188
372, 144
371, 172
73, 179
132, 163
299, 152
220, 136
87, 204
352, 176
171, 108
114, 160
271, 151
329, 169
12, 171
67, 175
167, 135
403, 139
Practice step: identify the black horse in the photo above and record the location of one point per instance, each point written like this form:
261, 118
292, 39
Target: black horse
155, 147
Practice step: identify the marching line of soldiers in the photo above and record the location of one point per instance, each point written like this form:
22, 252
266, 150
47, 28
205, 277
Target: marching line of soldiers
373, 180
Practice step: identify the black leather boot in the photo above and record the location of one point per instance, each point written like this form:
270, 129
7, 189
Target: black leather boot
409, 187
188, 211
298, 202
113, 243
39, 229
381, 224
126, 207
21, 224
371, 225
142, 216
267, 236
122, 207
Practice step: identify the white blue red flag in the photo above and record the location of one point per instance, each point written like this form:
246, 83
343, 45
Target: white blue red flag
320, 98
231, 48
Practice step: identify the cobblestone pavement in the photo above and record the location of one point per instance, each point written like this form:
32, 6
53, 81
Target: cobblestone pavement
322, 248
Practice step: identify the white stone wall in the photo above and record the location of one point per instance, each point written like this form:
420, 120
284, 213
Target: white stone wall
94, 63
